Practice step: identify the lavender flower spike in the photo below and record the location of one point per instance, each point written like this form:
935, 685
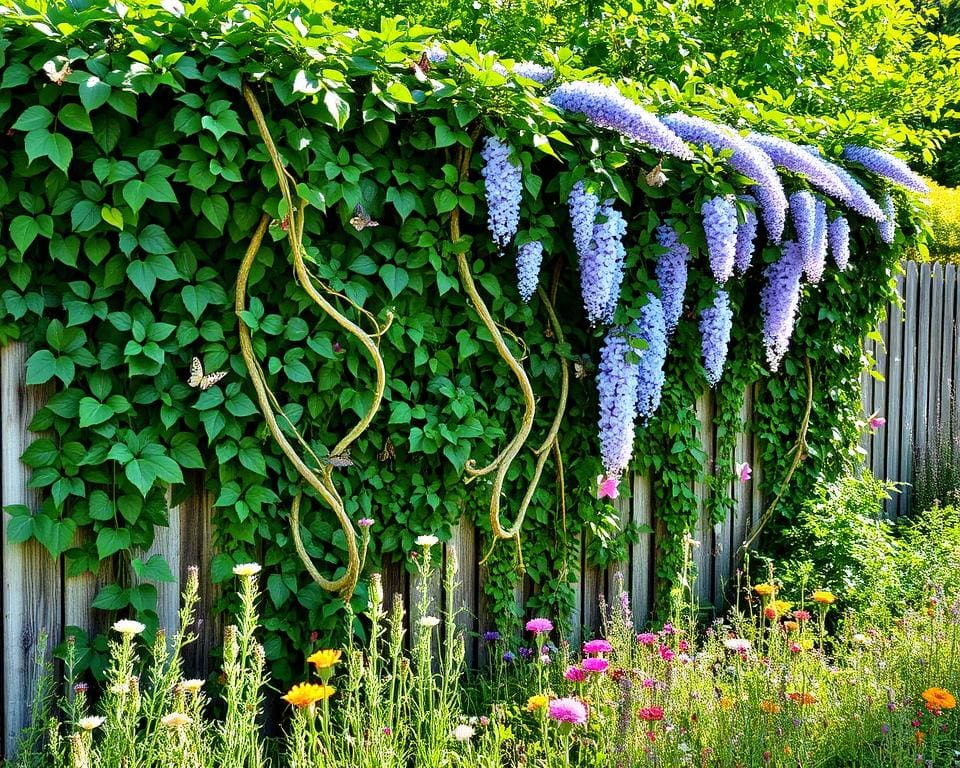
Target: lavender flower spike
884, 164
802, 209
746, 234
779, 300
532, 71
583, 207
796, 159
652, 330
720, 228
503, 190
746, 159
716, 321
815, 261
617, 388
839, 237
671, 274
529, 258
604, 106
888, 227
854, 196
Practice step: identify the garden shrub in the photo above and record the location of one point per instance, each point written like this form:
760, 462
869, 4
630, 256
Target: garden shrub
945, 223
134, 179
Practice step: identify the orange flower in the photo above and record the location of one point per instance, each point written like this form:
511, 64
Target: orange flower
537, 701
770, 707
324, 659
823, 597
791, 626
919, 736
726, 703
802, 698
305, 694
770, 612
939, 698
765, 590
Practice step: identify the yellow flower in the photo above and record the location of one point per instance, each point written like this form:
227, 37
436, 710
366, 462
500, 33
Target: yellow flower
765, 590
791, 626
176, 720
781, 606
823, 597
304, 694
939, 698
537, 701
246, 569
324, 659
726, 703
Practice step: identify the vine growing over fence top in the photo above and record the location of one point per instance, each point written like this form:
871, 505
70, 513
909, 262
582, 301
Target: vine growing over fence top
157, 156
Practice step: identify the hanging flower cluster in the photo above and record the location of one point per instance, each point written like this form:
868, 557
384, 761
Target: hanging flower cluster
601, 262
583, 207
746, 235
720, 227
436, 54
854, 196
795, 159
884, 164
802, 207
815, 261
503, 185
839, 237
779, 300
529, 258
888, 227
716, 322
605, 107
746, 159
652, 330
617, 380
671, 272
533, 71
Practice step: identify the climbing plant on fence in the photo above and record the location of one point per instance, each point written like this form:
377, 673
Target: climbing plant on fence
426, 277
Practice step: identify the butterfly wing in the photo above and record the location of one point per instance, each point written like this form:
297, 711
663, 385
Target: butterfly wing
361, 219
340, 459
211, 378
196, 373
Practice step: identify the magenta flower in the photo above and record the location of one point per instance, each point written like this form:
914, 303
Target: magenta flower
651, 714
539, 626
597, 646
365, 522
666, 654
877, 421
744, 471
646, 638
595, 664
607, 486
575, 675
567, 710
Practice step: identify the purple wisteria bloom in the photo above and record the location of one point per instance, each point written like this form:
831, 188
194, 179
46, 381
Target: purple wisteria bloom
605, 107
779, 300
529, 258
436, 54
802, 207
884, 164
503, 189
815, 261
839, 237
533, 71
652, 329
617, 388
583, 207
601, 266
888, 227
720, 227
746, 159
797, 159
854, 196
716, 322
746, 235
671, 274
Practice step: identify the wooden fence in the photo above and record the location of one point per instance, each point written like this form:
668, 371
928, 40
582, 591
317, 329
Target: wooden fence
918, 361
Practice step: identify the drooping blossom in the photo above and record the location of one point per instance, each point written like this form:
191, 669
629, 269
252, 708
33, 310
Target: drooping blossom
886, 165
797, 159
720, 227
744, 471
671, 273
716, 322
815, 261
567, 710
533, 71
617, 381
854, 196
888, 227
598, 645
601, 266
746, 159
802, 207
503, 188
605, 107
583, 206
539, 626
595, 664
529, 259
651, 714
608, 485
746, 235
838, 235
779, 300
650, 377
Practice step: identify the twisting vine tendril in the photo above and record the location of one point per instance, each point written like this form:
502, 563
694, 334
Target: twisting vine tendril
319, 477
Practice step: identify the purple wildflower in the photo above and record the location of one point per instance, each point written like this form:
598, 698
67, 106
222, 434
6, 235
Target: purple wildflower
797, 159
575, 675
529, 258
671, 271
601, 266
815, 261
365, 522
491, 636
525, 653
888, 227
617, 387
884, 164
532, 71
567, 710
854, 196
436, 54
716, 321
839, 237
802, 209
606, 107
509, 657
539, 626
746, 159
650, 377
746, 234
503, 189
583, 207
720, 228
779, 300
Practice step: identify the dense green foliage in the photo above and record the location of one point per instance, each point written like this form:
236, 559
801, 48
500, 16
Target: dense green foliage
944, 224
131, 179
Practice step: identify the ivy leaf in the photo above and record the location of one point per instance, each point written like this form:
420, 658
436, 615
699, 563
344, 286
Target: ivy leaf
33, 118
100, 506
216, 210
395, 278
93, 93
75, 117
85, 216
403, 199
338, 108
143, 597
55, 535
112, 540
41, 367
112, 216
93, 412
155, 569
56, 146
19, 528
155, 241
135, 194
23, 231
112, 598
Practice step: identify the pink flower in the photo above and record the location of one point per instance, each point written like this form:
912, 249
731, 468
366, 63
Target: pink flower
744, 471
568, 710
595, 664
684, 645
539, 626
801, 615
665, 653
877, 421
607, 486
597, 646
365, 522
575, 675
795, 648
646, 638
651, 714
649, 682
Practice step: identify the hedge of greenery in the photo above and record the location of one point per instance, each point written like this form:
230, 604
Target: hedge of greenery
945, 223
138, 181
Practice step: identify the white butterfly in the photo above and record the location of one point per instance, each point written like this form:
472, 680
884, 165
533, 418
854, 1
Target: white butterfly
197, 377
